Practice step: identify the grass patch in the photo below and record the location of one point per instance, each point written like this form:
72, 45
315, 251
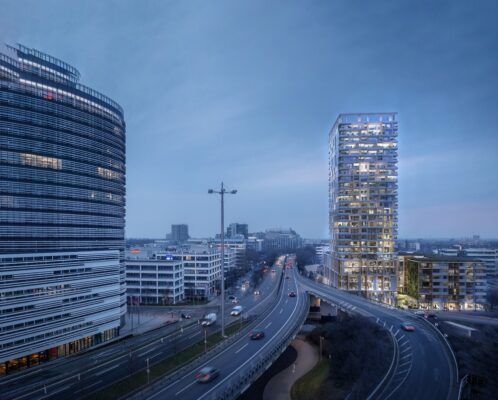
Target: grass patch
308, 386
164, 367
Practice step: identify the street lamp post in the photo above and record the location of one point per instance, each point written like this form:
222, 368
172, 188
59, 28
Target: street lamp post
222, 193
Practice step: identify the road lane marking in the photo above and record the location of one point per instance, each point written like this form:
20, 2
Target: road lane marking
107, 370
405, 356
404, 350
89, 386
243, 347
194, 335
185, 388
146, 352
281, 310
155, 355
396, 332
56, 391
267, 326
255, 354
280, 300
405, 363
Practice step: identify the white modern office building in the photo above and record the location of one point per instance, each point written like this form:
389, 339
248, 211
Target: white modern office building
236, 244
363, 203
202, 270
153, 279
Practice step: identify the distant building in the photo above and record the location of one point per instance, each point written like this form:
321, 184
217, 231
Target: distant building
488, 256
255, 244
282, 239
179, 233
363, 201
320, 252
236, 244
237, 229
443, 282
153, 278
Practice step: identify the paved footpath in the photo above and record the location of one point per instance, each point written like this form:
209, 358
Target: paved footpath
279, 387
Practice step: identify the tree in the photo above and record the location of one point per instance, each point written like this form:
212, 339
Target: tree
305, 256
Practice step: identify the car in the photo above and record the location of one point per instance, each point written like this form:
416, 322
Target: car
185, 316
233, 299
273, 271
257, 334
419, 312
292, 294
287, 277
206, 374
236, 311
257, 292
407, 326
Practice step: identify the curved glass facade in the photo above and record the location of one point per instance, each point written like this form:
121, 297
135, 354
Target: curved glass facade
62, 190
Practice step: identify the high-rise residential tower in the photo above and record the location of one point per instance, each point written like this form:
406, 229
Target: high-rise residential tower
363, 202
62, 198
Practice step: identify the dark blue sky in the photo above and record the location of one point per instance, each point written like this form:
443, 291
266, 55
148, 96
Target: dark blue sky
247, 92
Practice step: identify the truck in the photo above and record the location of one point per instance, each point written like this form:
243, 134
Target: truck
208, 320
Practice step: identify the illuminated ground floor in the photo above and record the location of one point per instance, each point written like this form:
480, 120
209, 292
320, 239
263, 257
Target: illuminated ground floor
63, 350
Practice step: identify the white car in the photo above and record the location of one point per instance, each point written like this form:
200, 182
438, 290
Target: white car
237, 310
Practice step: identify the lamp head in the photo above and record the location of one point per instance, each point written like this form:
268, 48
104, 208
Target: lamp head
233, 191
210, 191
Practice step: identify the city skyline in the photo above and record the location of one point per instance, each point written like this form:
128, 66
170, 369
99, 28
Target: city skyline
274, 121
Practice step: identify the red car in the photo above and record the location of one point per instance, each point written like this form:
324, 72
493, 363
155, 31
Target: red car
207, 374
406, 326
257, 334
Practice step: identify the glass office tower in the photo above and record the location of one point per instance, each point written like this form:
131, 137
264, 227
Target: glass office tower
363, 203
62, 198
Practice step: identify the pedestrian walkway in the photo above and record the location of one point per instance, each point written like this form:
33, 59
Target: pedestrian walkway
279, 387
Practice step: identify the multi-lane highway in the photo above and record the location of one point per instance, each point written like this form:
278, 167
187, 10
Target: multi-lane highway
423, 365
241, 362
83, 374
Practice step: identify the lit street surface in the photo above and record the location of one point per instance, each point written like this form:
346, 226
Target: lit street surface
94, 370
423, 367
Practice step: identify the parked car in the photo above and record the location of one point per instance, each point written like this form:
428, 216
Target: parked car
257, 334
292, 294
237, 310
407, 326
207, 374
419, 312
